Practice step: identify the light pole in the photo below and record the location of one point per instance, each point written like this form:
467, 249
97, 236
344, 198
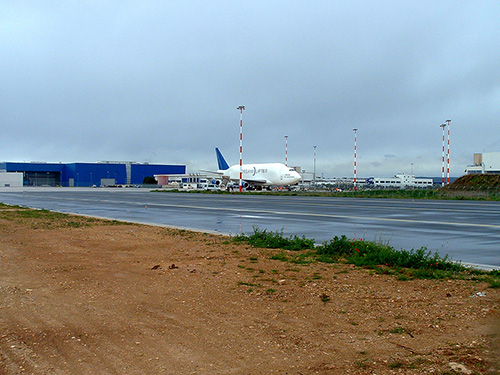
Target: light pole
286, 150
448, 163
241, 108
355, 157
443, 163
314, 169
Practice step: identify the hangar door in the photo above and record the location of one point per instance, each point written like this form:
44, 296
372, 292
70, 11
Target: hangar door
108, 182
42, 178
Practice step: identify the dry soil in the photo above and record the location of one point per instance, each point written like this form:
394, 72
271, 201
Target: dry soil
83, 296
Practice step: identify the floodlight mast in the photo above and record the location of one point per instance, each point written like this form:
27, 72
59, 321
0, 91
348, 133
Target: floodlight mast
314, 169
241, 108
448, 162
286, 150
443, 160
355, 158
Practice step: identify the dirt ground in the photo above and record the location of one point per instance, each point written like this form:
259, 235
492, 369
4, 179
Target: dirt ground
80, 296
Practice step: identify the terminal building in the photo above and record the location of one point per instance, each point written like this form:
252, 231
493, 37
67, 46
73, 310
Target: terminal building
106, 173
487, 162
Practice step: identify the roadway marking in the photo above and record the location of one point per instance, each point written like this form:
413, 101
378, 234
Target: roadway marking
259, 211
399, 207
305, 214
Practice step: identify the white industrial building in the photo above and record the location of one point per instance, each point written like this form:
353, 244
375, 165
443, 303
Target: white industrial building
400, 181
487, 162
11, 179
186, 181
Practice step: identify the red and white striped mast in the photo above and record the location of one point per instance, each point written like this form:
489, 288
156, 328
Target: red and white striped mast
443, 161
286, 150
448, 162
355, 157
241, 108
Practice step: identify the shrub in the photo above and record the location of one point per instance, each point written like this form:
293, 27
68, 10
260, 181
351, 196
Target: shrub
380, 257
275, 240
371, 254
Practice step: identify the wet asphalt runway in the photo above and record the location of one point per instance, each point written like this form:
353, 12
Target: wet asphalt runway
468, 231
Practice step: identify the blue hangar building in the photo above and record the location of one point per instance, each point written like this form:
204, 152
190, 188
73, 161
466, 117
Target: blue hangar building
88, 174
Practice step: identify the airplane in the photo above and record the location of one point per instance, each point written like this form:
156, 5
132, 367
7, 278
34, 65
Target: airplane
255, 176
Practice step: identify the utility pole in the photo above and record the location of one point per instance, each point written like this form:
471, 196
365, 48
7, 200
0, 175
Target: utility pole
241, 108
448, 163
355, 157
314, 169
443, 162
286, 150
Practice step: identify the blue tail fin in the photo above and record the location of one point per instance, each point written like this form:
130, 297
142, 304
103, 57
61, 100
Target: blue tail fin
221, 161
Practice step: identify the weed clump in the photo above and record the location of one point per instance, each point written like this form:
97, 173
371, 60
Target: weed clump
372, 254
380, 257
275, 240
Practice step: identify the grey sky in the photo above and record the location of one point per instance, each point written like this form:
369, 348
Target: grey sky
159, 81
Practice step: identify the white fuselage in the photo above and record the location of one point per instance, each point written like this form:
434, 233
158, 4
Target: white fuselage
265, 174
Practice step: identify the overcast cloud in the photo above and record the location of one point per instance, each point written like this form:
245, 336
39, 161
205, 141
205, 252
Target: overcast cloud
159, 81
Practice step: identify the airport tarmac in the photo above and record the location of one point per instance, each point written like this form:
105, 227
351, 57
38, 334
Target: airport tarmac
468, 231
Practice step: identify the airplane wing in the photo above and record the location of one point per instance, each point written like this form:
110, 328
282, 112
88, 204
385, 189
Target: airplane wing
212, 172
247, 180
225, 177
256, 182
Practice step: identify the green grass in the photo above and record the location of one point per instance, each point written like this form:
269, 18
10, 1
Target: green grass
379, 257
47, 219
275, 240
396, 365
475, 192
399, 330
248, 284
280, 256
325, 297
370, 254
493, 278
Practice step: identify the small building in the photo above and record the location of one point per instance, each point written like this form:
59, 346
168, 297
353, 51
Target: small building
185, 180
11, 179
487, 162
400, 181
104, 173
